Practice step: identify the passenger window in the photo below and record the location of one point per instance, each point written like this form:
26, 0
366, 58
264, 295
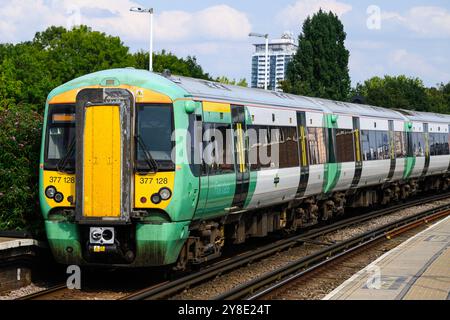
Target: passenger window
345, 146
400, 144
365, 145
316, 142
217, 149
438, 143
382, 145
375, 145
288, 147
418, 144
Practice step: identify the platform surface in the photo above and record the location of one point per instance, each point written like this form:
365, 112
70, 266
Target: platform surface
417, 269
11, 243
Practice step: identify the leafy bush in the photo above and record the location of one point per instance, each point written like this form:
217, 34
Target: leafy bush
20, 137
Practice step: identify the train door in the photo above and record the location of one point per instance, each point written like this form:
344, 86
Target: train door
103, 154
391, 150
358, 155
241, 156
427, 150
218, 178
304, 165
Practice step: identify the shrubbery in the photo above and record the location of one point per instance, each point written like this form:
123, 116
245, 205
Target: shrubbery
20, 137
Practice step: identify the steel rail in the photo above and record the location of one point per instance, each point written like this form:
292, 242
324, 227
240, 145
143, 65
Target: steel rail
40, 294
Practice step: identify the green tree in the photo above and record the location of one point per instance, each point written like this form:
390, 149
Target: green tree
320, 66
57, 55
395, 92
20, 131
163, 60
81, 51
445, 89
436, 100
10, 88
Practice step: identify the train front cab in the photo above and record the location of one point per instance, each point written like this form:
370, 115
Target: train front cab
107, 178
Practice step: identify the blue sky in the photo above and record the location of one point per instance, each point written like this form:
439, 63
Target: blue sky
384, 37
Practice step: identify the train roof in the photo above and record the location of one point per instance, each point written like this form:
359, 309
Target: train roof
359, 109
197, 88
205, 89
216, 91
425, 116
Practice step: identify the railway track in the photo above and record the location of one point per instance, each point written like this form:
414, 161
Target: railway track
267, 283
171, 288
46, 294
167, 289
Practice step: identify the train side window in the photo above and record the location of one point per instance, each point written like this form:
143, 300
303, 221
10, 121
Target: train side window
438, 143
446, 150
418, 144
288, 147
259, 147
316, 143
275, 150
373, 145
264, 147
433, 144
365, 145
292, 147
217, 149
345, 146
400, 144
382, 145
253, 147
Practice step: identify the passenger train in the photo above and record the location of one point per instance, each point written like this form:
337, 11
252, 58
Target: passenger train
119, 184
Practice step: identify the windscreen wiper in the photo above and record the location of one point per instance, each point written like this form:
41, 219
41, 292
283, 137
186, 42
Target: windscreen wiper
62, 163
148, 157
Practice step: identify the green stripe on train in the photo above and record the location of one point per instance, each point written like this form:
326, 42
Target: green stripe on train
409, 161
332, 170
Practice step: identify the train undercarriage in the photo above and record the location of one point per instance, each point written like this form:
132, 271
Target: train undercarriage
207, 238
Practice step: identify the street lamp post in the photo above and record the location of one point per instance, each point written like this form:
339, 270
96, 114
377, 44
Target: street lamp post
150, 10
266, 36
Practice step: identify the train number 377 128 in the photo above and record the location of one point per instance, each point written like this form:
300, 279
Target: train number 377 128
153, 180
61, 179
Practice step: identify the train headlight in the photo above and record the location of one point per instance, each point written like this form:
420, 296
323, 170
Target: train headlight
156, 198
107, 235
59, 197
165, 193
50, 192
96, 234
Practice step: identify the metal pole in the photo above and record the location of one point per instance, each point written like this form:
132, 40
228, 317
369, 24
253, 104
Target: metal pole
267, 64
151, 41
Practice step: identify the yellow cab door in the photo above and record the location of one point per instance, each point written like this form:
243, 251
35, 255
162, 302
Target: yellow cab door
102, 162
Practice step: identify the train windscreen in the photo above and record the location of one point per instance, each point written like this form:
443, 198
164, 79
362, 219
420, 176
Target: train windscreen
60, 138
154, 127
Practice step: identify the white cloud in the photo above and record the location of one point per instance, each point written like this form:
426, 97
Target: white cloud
217, 22
426, 21
365, 44
294, 14
19, 20
415, 65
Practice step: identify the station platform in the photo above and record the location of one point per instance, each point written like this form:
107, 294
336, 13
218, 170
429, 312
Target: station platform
16, 257
15, 248
417, 269
11, 243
